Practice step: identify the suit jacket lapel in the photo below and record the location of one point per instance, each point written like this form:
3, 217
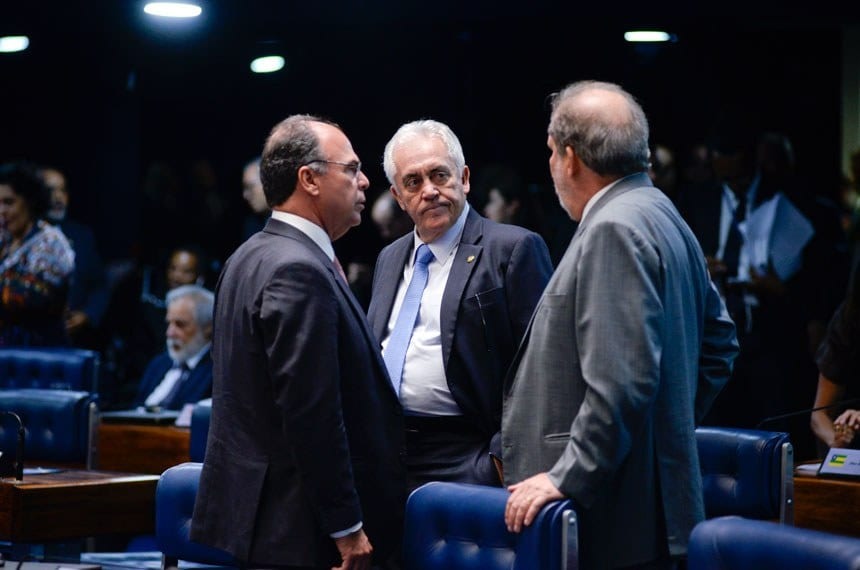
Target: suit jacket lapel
466, 259
391, 273
625, 185
286, 230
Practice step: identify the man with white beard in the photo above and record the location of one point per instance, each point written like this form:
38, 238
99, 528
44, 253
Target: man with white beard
183, 373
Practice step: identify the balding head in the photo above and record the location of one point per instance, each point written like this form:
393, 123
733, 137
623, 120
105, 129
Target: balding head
604, 125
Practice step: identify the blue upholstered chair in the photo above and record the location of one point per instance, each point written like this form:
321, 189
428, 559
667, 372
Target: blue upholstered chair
60, 426
50, 368
174, 505
200, 415
747, 472
736, 543
458, 526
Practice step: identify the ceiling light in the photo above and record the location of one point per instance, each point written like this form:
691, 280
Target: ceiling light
173, 9
648, 36
9, 44
267, 64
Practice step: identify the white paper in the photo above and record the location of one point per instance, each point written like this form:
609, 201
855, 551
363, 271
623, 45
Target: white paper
774, 233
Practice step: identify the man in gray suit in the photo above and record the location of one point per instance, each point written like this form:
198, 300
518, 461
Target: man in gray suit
303, 462
627, 349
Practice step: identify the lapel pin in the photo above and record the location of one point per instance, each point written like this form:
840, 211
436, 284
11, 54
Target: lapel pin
470, 259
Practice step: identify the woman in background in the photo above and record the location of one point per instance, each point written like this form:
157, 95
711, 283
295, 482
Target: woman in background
36, 262
839, 375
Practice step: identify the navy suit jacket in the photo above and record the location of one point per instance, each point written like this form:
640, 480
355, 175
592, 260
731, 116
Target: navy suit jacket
197, 387
497, 277
88, 291
306, 433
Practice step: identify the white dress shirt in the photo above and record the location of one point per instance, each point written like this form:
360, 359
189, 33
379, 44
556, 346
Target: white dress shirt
424, 387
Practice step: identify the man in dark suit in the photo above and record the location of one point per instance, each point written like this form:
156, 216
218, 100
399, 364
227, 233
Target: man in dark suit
303, 462
88, 290
483, 281
183, 373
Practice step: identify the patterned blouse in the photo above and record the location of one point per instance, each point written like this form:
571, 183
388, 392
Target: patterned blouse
34, 283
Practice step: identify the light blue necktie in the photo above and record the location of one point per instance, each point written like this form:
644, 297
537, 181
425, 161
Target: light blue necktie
398, 342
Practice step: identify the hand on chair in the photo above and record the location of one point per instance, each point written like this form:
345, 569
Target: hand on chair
527, 499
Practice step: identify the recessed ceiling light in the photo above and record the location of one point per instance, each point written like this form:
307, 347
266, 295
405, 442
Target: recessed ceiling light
173, 9
267, 64
10, 44
648, 36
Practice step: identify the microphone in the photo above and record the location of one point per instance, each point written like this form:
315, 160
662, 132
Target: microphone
19, 450
806, 411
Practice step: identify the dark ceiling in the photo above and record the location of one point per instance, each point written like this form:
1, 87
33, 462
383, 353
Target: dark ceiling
107, 92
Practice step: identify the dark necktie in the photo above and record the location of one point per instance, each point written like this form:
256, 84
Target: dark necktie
733, 245
401, 334
168, 402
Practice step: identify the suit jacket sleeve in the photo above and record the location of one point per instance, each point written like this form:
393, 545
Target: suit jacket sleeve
719, 349
619, 349
300, 320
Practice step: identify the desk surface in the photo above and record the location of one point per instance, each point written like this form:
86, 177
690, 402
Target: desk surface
137, 448
75, 504
831, 505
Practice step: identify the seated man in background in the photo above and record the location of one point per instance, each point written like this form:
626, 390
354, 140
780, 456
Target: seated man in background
183, 374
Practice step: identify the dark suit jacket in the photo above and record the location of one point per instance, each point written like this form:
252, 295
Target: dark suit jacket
496, 279
197, 387
307, 432
88, 291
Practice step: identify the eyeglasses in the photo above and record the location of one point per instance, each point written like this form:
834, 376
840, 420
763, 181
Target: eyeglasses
352, 168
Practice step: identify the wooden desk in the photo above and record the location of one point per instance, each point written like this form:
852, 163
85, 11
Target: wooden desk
76, 504
832, 505
137, 448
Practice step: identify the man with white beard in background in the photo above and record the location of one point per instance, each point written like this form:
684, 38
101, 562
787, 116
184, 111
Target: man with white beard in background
183, 373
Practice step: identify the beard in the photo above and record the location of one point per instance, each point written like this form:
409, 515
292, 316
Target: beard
182, 352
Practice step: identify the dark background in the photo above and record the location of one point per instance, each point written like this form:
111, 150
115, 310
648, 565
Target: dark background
105, 91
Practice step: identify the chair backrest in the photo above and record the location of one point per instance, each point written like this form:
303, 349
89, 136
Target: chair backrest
60, 425
736, 543
200, 415
458, 526
747, 472
174, 506
54, 368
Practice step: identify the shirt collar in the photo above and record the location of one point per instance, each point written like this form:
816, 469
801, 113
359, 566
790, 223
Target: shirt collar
447, 242
310, 229
593, 199
195, 359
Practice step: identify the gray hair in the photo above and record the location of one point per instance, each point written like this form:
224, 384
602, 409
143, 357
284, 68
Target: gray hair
609, 143
425, 128
202, 298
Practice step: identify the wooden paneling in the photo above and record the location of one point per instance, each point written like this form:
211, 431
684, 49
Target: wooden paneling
832, 505
76, 504
138, 448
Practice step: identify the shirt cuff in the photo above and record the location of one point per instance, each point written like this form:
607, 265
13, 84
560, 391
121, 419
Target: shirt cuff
350, 530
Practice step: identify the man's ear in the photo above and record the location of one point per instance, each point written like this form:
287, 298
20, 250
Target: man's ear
307, 180
465, 180
394, 193
572, 162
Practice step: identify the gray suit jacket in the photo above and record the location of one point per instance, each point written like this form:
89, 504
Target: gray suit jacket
627, 349
307, 432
